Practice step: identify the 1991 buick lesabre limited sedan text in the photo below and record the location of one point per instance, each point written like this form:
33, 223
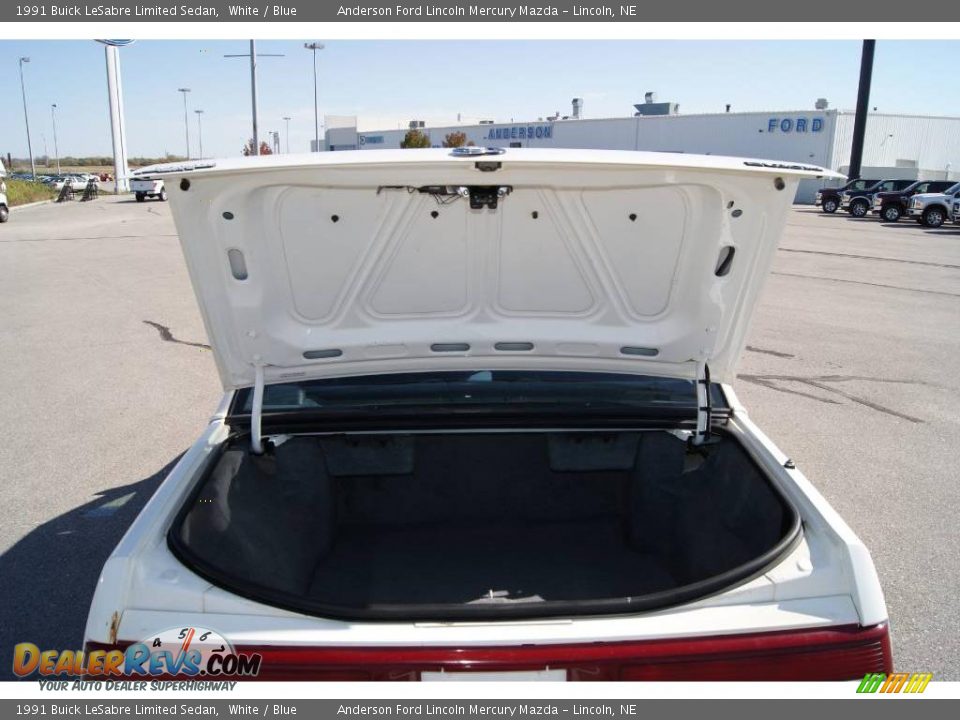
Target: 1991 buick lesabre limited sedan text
477, 419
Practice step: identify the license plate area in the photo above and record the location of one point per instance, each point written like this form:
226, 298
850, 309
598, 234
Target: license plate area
545, 675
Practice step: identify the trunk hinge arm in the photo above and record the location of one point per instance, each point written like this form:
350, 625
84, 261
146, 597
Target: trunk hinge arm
704, 404
256, 412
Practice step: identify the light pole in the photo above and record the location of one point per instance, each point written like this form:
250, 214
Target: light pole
118, 132
199, 133
26, 119
56, 150
186, 125
286, 119
314, 46
253, 88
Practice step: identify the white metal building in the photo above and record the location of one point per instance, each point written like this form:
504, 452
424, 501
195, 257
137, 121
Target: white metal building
901, 146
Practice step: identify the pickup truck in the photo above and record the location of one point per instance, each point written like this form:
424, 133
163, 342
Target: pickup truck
145, 186
933, 209
828, 199
858, 202
891, 206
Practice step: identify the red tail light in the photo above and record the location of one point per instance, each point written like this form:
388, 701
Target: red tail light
838, 653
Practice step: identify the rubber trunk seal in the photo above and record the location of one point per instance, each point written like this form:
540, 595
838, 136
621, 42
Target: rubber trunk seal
445, 612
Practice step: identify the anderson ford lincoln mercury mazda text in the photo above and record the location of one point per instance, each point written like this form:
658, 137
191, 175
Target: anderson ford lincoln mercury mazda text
478, 417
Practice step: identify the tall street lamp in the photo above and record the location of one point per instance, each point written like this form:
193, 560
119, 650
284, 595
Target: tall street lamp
118, 133
186, 125
286, 119
26, 119
314, 46
56, 150
199, 132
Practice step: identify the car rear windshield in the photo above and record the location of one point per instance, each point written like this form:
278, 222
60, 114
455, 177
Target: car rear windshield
491, 389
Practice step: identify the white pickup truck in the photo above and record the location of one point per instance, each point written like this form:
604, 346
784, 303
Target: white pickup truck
933, 209
144, 186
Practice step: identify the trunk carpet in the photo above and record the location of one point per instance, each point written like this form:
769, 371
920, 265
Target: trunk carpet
537, 561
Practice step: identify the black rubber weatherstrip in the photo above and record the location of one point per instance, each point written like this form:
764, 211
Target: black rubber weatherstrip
513, 611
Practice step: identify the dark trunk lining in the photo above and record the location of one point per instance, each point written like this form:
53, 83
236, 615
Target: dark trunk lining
486, 563
365, 526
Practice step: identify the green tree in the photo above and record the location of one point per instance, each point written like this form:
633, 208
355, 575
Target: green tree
415, 139
455, 139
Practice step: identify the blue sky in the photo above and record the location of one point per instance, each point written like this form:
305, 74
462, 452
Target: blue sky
387, 83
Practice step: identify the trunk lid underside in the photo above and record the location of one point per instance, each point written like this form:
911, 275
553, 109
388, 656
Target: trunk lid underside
350, 263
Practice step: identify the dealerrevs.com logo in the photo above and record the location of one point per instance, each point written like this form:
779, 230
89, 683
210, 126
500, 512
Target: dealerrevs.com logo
188, 652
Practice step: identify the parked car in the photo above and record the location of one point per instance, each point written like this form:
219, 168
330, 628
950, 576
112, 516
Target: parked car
859, 202
956, 212
828, 199
891, 206
533, 466
4, 203
145, 186
933, 209
78, 182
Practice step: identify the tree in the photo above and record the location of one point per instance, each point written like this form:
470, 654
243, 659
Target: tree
455, 139
264, 148
415, 139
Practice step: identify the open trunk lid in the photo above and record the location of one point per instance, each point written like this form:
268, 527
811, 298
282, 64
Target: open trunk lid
367, 262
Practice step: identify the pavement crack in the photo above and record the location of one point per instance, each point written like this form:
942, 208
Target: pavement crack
861, 282
820, 382
870, 257
764, 351
167, 336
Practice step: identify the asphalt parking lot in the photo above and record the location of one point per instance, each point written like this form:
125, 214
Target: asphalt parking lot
852, 368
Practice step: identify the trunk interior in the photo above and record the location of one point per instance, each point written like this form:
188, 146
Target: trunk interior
460, 525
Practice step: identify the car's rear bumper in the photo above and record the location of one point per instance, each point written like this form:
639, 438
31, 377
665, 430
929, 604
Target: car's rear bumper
833, 653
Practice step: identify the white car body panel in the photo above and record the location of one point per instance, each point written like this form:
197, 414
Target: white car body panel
827, 579
333, 247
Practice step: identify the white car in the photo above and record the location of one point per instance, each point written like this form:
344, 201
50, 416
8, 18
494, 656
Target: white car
477, 417
144, 186
4, 204
78, 183
933, 209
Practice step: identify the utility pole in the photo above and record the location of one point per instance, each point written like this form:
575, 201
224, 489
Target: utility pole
314, 46
26, 118
863, 105
56, 150
186, 124
199, 133
286, 119
253, 88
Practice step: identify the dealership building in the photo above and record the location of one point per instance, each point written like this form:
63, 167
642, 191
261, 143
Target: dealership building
896, 146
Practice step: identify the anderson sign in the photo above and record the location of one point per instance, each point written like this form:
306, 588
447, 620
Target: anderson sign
521, 132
